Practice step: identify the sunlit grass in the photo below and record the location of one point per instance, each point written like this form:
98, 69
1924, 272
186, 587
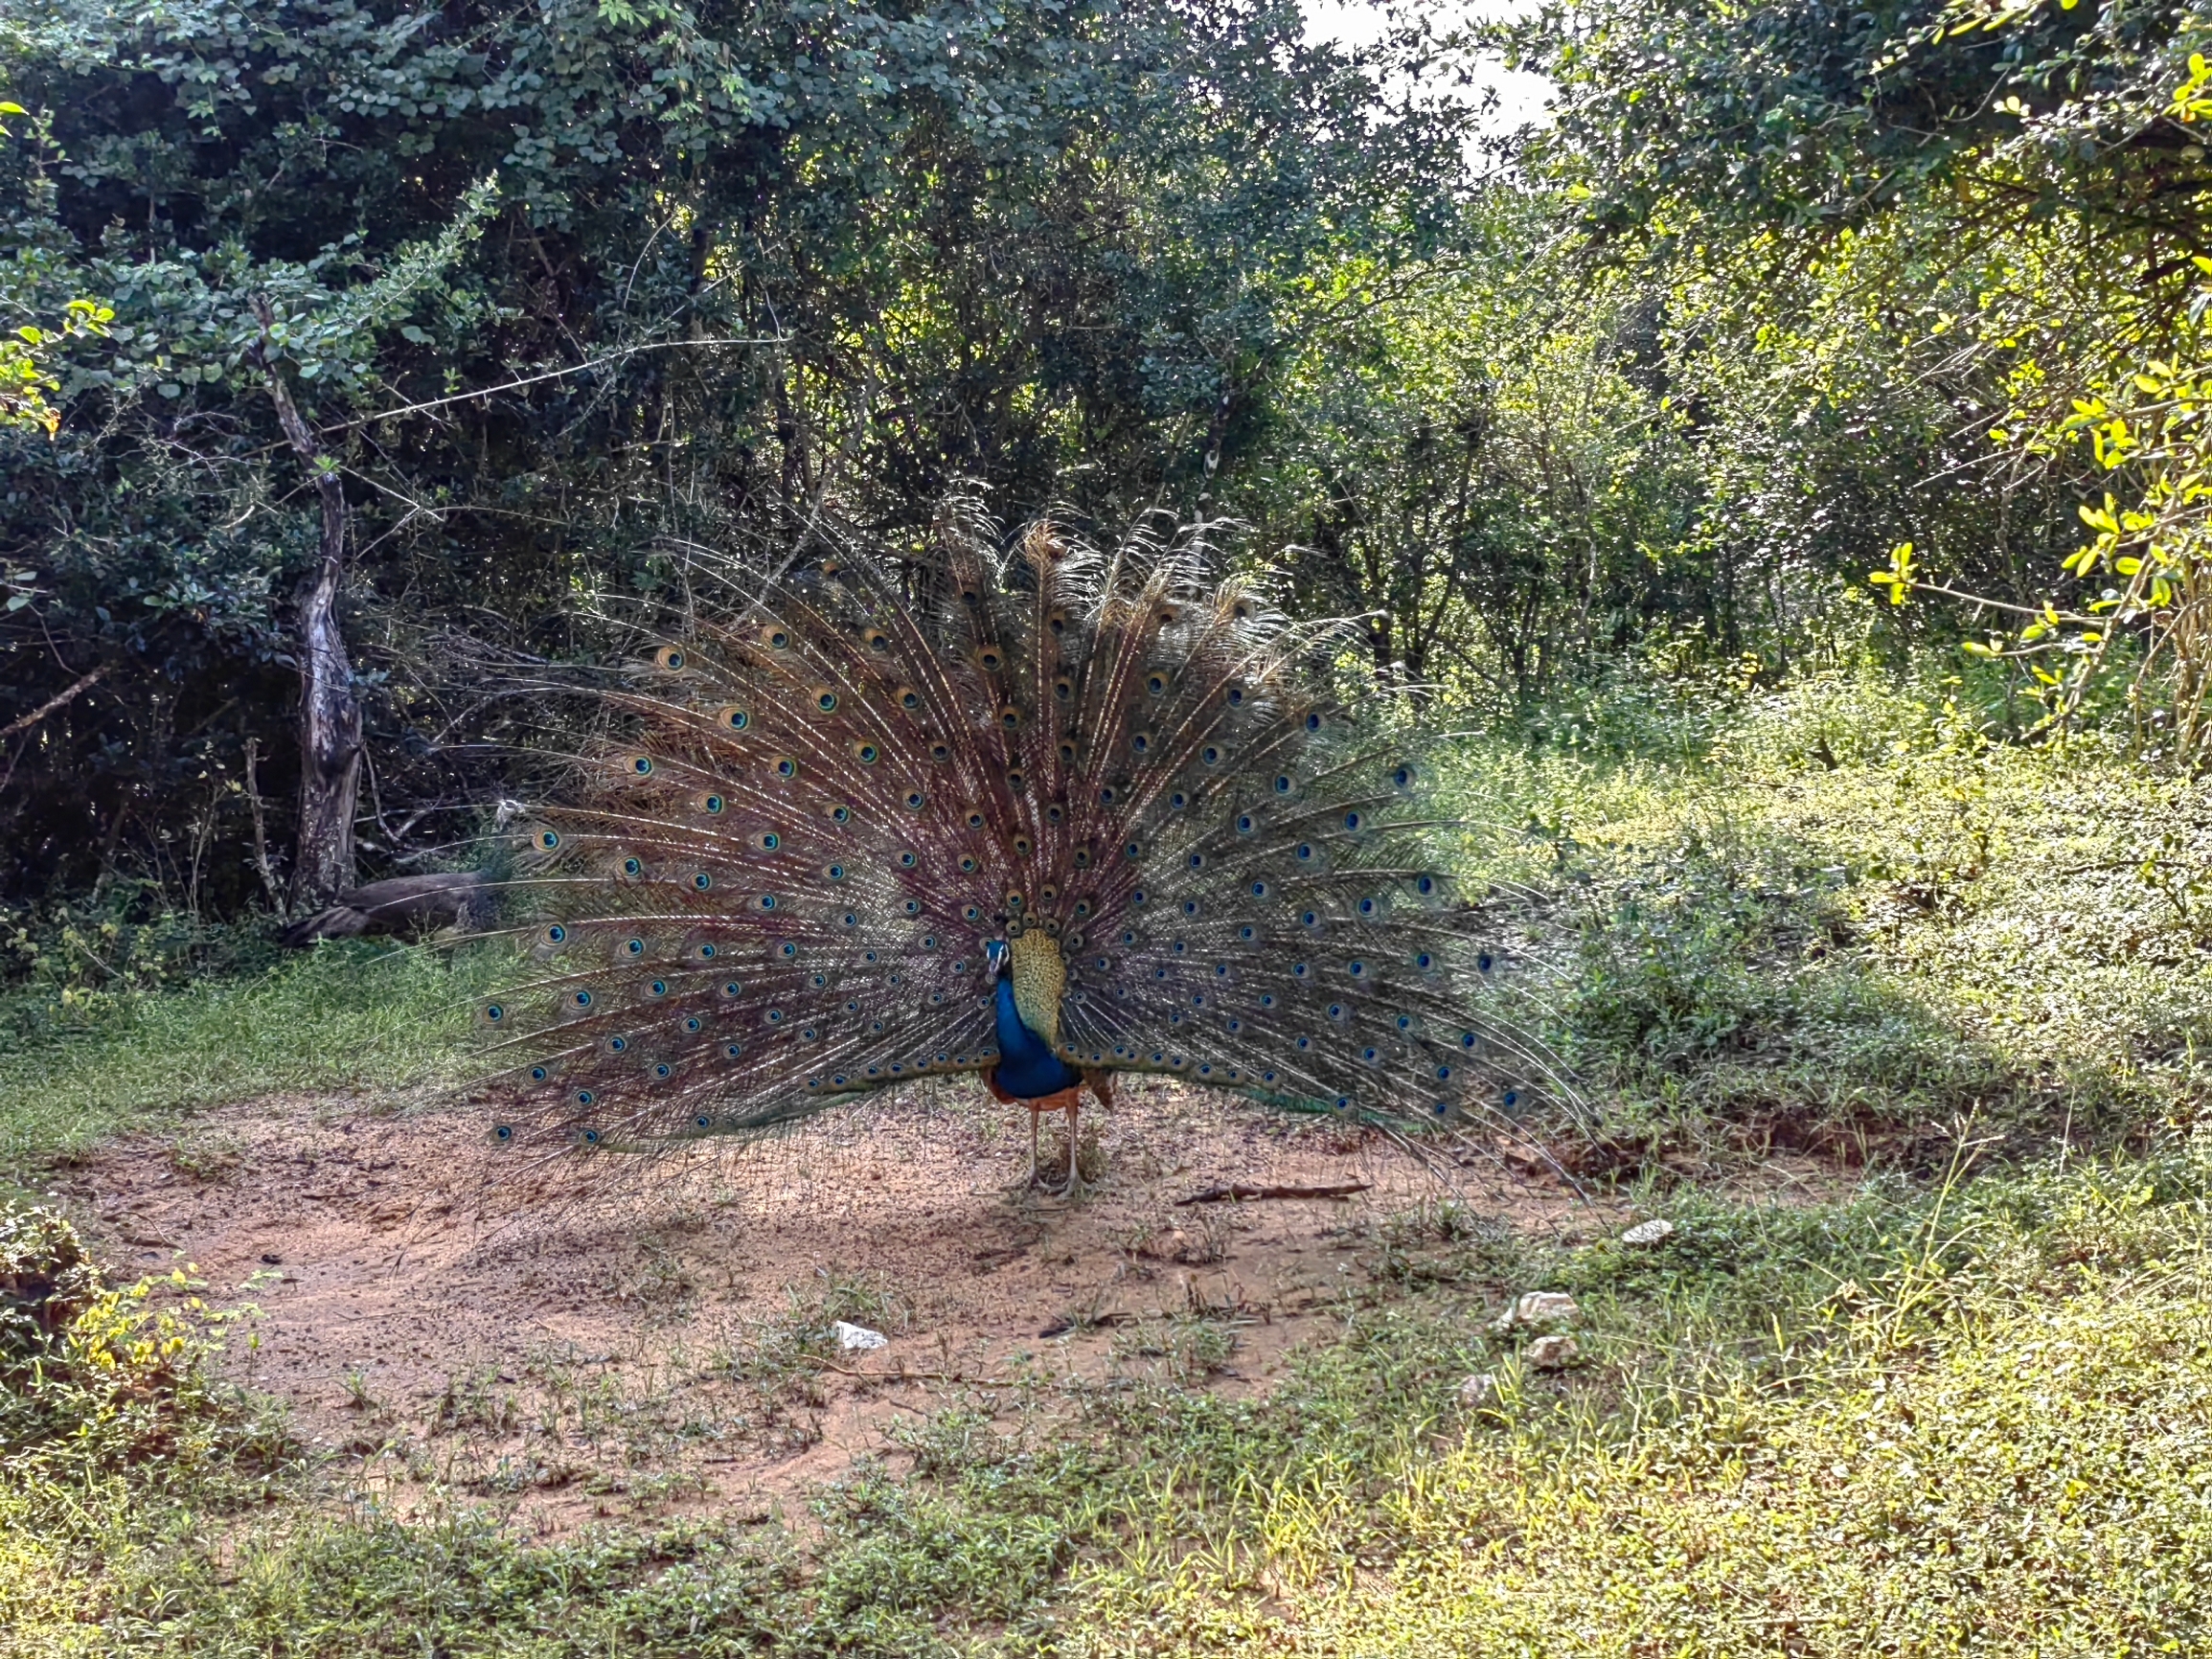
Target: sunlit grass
358, 1017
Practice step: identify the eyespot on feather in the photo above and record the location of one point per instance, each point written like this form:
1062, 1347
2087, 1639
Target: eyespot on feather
670, 657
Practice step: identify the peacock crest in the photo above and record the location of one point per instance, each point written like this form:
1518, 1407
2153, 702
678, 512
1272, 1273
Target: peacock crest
830, 819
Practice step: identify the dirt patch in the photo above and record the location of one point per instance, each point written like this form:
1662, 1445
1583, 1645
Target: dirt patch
609, 1335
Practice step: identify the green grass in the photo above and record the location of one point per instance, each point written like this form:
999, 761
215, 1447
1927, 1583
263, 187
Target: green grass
353, 1016
1966, 1407
1973, 1418
1748, 941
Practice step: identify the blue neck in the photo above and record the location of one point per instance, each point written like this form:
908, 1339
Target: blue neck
1027, 1066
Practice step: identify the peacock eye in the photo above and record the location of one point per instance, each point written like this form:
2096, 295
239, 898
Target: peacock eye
713, 804
633, 866
548, 839
642, 766
670, 658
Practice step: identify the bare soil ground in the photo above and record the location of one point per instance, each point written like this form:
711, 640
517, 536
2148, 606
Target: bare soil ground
616, 1336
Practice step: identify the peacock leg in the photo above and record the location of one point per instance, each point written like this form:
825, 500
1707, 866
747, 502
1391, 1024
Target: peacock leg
1033, 1118
1074, 1188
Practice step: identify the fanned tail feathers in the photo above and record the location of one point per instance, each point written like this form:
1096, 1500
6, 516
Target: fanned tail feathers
774, 890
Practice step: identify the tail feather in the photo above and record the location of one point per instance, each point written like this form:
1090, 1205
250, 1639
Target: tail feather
772, 889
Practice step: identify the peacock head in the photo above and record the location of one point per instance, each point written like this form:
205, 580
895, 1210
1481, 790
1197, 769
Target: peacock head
996, 956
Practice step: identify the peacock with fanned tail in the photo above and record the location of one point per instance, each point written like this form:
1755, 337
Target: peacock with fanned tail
1045, 815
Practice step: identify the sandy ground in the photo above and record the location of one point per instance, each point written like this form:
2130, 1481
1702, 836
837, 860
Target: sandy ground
615, 1336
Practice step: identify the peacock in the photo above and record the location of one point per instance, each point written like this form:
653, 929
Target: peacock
1026, 807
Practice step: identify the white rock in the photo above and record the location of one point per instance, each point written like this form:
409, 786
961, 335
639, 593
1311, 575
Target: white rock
854, 1337
1479, 1389
1552, 1352
1537, 1307
1649, 1232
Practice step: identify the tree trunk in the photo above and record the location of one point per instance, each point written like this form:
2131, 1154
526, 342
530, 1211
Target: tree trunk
330, 713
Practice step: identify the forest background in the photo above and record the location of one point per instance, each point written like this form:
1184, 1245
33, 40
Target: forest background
338, 331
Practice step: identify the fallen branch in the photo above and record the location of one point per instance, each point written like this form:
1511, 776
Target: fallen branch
1237, 1192
903, 1374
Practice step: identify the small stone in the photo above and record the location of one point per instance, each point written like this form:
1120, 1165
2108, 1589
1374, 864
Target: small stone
1479, 1389
1650, 1232
854, 1338
1552, 1352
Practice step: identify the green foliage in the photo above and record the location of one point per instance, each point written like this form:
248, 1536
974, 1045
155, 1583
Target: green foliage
562, 291
1948, 241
